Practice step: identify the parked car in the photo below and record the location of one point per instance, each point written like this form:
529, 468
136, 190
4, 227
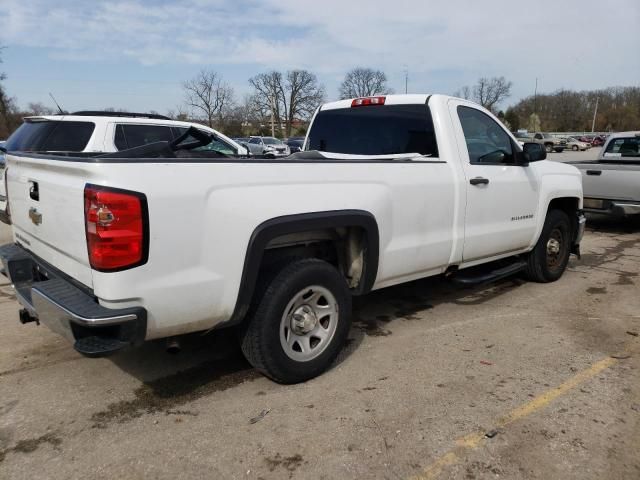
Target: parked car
574, 144
268, 147
91, 131
584, 139
598, 141
612, 182
295, 144
551, 143
2, 143
114, 249
522, 138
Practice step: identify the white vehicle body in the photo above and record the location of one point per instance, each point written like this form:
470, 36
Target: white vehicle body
206, 219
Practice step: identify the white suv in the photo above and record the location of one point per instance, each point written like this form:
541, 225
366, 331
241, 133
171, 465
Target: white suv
90, 131
106, 132
268, 147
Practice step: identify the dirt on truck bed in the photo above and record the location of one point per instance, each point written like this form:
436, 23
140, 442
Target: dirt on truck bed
514, 379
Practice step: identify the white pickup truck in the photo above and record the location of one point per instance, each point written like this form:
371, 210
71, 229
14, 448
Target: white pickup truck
114, 249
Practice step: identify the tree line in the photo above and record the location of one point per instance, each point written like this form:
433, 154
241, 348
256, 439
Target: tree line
281, 103
618, 109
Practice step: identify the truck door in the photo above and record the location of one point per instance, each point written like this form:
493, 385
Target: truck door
502, 197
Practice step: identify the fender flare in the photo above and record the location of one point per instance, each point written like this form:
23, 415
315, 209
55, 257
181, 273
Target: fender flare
304, 222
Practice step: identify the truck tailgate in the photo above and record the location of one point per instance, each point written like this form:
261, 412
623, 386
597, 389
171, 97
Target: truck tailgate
610, 180
46, 200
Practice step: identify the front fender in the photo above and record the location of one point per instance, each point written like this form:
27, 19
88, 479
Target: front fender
557, 181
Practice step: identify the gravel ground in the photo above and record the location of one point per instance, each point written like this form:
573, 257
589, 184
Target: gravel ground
515, 379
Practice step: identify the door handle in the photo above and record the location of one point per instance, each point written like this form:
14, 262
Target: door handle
479, 181
594, 172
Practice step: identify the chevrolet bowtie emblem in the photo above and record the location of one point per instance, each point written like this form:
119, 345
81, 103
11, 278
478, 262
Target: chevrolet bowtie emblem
35, 216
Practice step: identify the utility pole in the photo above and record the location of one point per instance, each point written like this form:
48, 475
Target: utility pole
595, 112
535, 97
273, 123
406, 79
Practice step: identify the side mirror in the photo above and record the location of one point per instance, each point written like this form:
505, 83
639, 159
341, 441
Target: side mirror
533, 152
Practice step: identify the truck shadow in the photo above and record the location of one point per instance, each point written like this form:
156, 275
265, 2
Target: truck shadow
599, 223
214, 362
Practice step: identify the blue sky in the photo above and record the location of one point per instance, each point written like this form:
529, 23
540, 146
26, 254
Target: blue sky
134, 54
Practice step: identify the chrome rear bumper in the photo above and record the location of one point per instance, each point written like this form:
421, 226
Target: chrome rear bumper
69, 309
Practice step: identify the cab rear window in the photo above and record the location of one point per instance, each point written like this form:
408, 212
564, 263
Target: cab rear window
51, 136
375, 130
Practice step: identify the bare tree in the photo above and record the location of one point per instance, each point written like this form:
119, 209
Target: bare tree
304, 94
364, 82
208, 96
269, 96
488, 92
39, 108
464, 92
286, 98
4, 105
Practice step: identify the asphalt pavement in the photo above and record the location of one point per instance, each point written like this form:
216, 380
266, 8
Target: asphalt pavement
514, 379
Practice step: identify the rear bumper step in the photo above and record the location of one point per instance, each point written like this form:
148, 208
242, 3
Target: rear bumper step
50, 298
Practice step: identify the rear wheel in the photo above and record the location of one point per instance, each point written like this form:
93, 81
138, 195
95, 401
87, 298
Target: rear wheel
299, 321
549, 147
549, 258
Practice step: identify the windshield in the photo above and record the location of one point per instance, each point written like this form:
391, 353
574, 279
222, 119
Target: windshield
214, 146
51, 136
271, 141
623, 147
375, 130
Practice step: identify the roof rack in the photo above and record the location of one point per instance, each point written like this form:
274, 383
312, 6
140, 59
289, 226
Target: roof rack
91, 113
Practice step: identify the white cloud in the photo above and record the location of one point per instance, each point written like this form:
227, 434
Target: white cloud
576, 44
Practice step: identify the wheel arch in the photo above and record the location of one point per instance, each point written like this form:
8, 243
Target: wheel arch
279, 227
570, 205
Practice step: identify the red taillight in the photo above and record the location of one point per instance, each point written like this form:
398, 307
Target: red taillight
116, 226
361, 102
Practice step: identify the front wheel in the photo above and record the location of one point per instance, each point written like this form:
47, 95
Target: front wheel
299, 321
575, 148
549, 258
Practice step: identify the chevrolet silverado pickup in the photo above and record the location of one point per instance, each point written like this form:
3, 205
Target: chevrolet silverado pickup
612, 182
111, 250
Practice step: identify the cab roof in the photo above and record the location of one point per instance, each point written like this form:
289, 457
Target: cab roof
404, 99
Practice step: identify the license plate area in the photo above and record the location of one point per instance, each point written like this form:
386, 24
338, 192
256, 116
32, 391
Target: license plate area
593, 203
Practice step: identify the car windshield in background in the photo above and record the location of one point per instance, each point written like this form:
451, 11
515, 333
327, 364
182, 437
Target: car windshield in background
50, 136
375, 130
271, 141
214, 146
623, 147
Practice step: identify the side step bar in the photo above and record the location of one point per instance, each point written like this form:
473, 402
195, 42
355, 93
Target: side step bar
473, 276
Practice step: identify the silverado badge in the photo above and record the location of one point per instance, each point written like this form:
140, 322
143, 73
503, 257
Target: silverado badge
35, 216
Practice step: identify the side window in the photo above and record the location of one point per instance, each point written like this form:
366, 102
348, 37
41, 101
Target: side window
486, 141
120, 141
137, 135
254, 140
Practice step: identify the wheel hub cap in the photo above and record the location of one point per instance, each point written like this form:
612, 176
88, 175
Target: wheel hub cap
303, 320
553, 247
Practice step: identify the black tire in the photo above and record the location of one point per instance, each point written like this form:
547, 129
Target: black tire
261, 337
549, 147
548, 261
574, 148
